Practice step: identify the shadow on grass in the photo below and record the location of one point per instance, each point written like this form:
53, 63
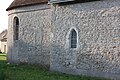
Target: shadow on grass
2, 68
32, 72
2, 75
3, 55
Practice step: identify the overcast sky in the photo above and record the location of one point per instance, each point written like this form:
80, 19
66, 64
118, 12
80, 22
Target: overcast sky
3, 14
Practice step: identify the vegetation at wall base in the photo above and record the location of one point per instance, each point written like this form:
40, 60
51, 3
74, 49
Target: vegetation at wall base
27, 72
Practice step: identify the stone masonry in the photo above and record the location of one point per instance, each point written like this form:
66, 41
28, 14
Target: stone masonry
33, 46
97, 25
44, 37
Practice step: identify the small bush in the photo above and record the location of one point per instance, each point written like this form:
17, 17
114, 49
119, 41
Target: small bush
2, 75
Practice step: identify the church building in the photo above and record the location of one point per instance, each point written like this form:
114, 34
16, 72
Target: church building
80, 37
3, 41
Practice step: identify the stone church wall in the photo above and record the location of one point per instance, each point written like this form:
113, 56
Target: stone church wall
33, 45
97, 25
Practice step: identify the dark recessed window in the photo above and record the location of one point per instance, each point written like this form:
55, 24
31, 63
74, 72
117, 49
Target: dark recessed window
73, 40
16, 28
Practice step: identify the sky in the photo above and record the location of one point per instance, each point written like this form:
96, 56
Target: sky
4, 14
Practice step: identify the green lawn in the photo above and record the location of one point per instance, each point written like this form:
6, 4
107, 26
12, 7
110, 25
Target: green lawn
2, 57
25, 72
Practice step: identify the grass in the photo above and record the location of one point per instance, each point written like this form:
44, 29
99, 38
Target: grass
2, 56
26, 72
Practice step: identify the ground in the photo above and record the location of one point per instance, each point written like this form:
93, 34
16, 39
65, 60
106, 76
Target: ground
27, 72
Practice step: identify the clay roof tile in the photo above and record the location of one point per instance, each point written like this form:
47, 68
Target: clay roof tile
21, 3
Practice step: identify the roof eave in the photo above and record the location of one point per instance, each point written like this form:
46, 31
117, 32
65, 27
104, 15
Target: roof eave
13, 7
55, 2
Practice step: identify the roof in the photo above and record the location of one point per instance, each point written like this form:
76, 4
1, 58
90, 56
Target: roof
59, 1
21, 3
3, 35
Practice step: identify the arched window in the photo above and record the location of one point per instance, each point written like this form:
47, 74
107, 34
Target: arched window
16, 28
73, 39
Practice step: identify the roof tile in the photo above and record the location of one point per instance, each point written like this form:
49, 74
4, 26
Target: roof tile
20, 3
